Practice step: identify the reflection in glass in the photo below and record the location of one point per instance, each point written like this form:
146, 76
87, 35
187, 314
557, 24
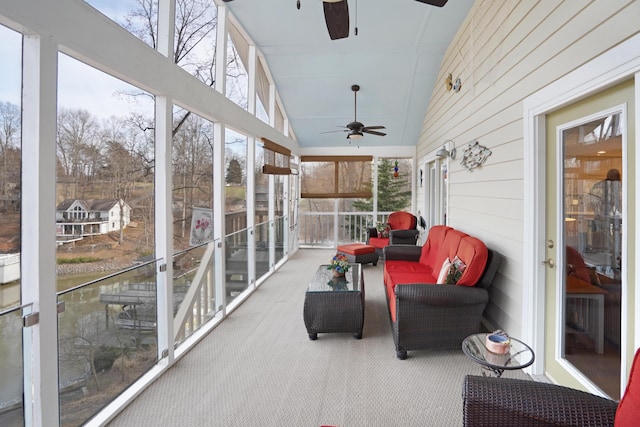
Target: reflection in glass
11, 411
237, 263
107, 339
262, 248
593, 224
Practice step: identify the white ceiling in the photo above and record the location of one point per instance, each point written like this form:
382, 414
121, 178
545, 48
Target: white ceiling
394, 58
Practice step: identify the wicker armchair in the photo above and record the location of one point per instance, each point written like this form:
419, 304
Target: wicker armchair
490, 401
402, 231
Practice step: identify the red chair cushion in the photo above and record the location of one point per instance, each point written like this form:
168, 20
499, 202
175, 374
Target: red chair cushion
379, 242
628, 410
402, 221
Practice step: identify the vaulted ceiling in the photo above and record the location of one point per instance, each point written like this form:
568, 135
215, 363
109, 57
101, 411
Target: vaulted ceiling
394, 59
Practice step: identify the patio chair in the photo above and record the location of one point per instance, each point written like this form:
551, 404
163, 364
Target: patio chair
490, 401
402, 230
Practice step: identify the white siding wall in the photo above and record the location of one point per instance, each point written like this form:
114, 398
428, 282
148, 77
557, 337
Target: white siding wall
504, 51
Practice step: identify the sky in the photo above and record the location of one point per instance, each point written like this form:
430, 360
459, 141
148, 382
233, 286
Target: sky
79, 85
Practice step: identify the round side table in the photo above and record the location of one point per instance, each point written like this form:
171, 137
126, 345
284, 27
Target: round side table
519, 356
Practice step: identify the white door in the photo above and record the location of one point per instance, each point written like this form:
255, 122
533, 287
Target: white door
585, 240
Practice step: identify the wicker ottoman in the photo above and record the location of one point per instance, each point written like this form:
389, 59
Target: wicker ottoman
360, 253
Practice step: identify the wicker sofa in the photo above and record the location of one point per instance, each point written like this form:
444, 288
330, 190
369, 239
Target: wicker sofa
427, 315
490, 401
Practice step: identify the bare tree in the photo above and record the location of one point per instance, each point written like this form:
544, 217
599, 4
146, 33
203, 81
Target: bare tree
78, 133
9, 153
127, 161
192, 166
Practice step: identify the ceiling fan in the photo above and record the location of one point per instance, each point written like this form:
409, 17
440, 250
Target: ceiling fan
356, 129
336, 16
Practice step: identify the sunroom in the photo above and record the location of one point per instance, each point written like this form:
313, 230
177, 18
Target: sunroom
225, 127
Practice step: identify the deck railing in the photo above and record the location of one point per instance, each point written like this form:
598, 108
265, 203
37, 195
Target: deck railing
330, 229
108, 330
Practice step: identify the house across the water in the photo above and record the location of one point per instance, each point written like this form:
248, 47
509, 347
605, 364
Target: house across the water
77, 218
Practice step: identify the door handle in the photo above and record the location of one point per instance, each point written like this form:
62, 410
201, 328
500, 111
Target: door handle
549, 262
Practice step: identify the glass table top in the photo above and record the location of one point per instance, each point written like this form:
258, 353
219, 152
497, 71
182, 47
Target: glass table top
324, 281
519, 356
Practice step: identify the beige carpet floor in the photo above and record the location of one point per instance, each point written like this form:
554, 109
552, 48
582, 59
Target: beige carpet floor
259, 368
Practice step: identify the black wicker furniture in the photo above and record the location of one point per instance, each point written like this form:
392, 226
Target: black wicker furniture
335, 304
359, 253
402, 230
425, 315
490, 401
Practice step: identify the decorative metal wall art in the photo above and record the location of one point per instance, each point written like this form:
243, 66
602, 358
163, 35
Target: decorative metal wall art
474, 156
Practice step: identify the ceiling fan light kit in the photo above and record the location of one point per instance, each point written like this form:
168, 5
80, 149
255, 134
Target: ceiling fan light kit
354, 135
355, 128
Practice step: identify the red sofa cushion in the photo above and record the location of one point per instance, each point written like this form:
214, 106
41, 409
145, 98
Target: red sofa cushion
402, 221
430, 247
474, 254
629, 407
448, 248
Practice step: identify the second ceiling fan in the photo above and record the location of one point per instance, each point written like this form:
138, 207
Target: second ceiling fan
356, 129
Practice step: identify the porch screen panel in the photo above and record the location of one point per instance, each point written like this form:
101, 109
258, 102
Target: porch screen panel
279, 122
262, 85
336, 177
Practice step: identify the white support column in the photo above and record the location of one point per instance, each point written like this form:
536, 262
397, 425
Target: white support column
218, 213
285, 213
38, 261
164, 226
252, 71
272, 109
272, 221
376, 159
166, 27
163, 198
221, 50
251, 207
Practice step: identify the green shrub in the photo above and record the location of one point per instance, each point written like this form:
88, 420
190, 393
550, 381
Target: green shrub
78, 260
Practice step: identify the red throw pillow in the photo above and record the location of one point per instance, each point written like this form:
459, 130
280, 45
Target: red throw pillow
629, 407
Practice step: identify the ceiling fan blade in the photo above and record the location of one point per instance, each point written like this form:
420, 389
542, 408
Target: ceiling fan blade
334, 131
336, 15
438, 3
374, 127
373, 132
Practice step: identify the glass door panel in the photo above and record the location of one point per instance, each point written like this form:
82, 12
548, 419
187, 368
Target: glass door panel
593, 223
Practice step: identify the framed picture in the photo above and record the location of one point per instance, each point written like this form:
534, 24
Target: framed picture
201, 226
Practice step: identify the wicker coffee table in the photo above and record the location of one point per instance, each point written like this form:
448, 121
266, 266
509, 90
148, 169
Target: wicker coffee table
335, 305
